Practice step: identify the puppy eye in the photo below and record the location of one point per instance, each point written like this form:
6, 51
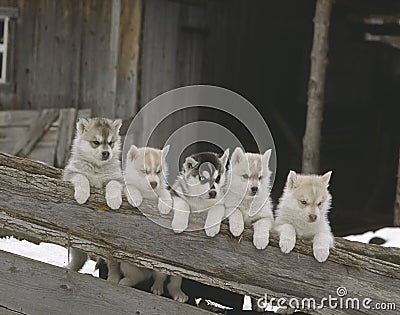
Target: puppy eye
202, 178
319, 203
260, 178
110, 143
245, 176
303, 202
218, 179
144, 171
158, 172
96, 143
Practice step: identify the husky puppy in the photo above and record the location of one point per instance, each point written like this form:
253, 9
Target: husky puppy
247, 201
201, 187
132, 275
94, 162
303, 211
145, 177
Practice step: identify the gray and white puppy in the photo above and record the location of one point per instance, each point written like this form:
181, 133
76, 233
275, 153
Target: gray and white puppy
201, 186
248, 201
95, 161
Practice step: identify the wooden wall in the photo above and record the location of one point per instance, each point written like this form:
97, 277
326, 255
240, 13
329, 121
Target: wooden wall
72, 53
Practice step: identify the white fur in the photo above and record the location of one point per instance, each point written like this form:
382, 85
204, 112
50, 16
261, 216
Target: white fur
144, 166
132, 275
86, 168
242, 206
302, 212
195, 198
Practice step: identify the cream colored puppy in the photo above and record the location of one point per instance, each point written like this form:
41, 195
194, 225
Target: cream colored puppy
145, 176
303, 211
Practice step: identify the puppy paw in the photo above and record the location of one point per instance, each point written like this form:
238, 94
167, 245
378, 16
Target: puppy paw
321, 253
179, 225
260, 241
157, 288
114, 199
164, 205
236, 227
212, 230
113, 278
125, 282
286, 245
178, 295
82, 195
134, 198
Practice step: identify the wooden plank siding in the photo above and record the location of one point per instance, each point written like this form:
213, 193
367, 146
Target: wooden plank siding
68, 54
365, 270
44, 136
24, 282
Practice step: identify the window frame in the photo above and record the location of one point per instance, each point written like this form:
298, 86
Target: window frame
7, 48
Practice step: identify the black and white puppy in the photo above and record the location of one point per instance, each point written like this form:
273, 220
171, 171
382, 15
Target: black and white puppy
201, 186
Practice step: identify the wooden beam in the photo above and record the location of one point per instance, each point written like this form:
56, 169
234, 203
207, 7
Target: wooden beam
32, 287
130, 30
316, 85
11, 12
35, 132
397, 200
35, 202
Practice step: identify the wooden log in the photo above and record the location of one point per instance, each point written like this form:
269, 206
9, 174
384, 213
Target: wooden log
316, 85
397, 200
35, 202
32, 287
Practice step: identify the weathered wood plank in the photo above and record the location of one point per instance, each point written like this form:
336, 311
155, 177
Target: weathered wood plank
24, 282
37, 203
18, 118
36, 131
130, 30
65, 134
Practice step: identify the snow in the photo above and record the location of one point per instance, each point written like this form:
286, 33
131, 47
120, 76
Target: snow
44, 252
390, 234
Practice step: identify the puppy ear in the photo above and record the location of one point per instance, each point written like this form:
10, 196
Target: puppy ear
133, 153
326, 177
224, 158
292, 180
82, 125
165, 151
266, 156
237, 156
117, 123
189, 164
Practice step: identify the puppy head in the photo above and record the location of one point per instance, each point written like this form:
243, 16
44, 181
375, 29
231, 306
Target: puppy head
98, 139
205, 175
147, 166
250, 173
309, 195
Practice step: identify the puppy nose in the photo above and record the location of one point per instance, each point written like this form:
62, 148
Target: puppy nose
153, 184
312, 217
105, 155
212, 193
254, 189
